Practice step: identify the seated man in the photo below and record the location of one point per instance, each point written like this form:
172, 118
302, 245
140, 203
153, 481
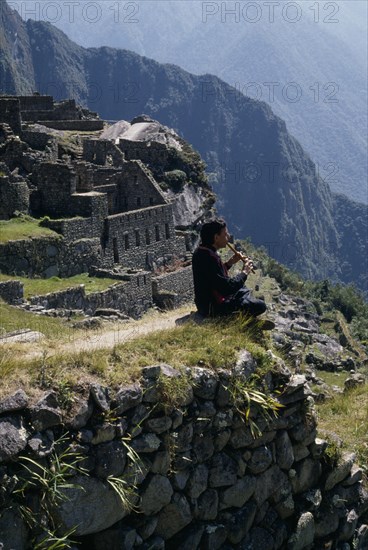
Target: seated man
215, 292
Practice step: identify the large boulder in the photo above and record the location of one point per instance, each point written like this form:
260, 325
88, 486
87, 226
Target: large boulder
89, 506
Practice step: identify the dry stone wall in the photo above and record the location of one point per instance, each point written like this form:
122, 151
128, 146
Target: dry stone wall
69, 125
132, 297
202, 481
10, 113
173, 289
139, 239
11, 292
49, 257
14, 197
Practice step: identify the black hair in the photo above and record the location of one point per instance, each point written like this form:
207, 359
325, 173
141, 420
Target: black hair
210, 229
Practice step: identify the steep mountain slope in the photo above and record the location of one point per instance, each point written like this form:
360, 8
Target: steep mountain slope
16, 64
307, 60
268, 187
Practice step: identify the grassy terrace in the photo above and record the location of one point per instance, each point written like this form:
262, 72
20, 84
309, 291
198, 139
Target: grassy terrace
34, 287
13, 319
214, 345
23, 228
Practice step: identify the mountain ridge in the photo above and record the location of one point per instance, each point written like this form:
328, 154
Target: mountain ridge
303, 69
241, 140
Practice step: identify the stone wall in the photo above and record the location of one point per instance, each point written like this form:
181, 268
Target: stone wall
173, 288
202, 481
49, 257
40, 141
36, 102
10, 113
77, 125
132, 297
136, 188
56, 182
152, 153
12, 292
139, 239
75, 227
14, 197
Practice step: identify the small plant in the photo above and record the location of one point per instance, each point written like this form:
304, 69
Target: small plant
51, 541
125, 491
173, 390
333, 451
48, 482
125, 485
245, 396
65, 394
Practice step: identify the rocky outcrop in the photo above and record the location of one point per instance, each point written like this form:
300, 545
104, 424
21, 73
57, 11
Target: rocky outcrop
170, 462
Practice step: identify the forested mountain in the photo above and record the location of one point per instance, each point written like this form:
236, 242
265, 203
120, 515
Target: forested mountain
307, 60
268, 187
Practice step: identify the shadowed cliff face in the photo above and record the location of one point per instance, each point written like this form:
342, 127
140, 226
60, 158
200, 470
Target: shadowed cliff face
16, 64
268, 187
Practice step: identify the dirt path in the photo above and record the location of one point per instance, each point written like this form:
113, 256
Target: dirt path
108, 338
31, 345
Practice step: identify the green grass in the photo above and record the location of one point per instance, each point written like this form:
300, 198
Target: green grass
12, 319
346, 415
333, 378
23, 228
213, 345
35, 287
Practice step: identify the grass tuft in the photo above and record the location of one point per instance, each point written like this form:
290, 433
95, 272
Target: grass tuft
346, 415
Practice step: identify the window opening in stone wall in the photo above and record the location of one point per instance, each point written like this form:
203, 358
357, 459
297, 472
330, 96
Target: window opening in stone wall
157, 231
144, 279
115, 249
126, 242
137, 238
167, 230
148, 239
136, 180
139, 202
151, 201
138, 281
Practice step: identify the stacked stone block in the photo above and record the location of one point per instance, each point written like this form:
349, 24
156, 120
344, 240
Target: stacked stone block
14, 196
140, 238
10, 113
49, 257
173, 289
11, 292
204, 481
133, 297
151, 154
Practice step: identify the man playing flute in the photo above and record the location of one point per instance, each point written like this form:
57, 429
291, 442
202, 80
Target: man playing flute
216, 293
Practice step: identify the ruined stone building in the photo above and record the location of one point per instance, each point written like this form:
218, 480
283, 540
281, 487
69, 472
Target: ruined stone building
103, 202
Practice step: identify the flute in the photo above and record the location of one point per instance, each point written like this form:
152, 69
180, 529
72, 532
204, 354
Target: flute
243, 258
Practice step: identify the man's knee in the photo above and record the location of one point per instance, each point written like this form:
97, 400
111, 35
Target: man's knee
257, 307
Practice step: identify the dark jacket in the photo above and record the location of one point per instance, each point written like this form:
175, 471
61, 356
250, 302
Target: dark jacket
212, 284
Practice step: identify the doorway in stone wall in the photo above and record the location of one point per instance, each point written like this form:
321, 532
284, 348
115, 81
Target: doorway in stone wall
116, 250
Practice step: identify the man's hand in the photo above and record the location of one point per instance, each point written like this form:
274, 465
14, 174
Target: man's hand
234, 259
248, 266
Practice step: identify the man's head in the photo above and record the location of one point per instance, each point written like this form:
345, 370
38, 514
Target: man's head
215, 234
